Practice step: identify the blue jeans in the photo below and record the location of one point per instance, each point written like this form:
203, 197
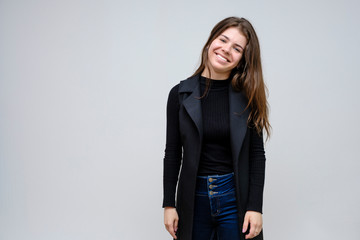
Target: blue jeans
215, 214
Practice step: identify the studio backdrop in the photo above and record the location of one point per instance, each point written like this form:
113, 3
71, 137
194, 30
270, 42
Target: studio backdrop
83, 91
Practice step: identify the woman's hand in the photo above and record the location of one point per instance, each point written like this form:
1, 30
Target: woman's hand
255, 220
171, 220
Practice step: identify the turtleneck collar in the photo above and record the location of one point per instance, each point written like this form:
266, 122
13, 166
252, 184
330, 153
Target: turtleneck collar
215, 84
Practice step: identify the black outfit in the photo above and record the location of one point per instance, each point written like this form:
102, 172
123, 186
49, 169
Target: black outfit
210, 136
216, 151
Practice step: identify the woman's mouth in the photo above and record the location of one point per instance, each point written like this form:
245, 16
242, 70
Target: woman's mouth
222, 58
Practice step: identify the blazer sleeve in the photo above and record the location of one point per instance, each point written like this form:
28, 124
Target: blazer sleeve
257, 171
173, 149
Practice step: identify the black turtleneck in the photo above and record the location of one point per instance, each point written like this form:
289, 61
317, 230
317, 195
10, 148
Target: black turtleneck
216, 150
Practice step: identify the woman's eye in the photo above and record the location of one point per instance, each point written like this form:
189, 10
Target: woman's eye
236, 49
223, 40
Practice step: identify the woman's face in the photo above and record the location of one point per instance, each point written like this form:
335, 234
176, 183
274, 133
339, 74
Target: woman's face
225, 53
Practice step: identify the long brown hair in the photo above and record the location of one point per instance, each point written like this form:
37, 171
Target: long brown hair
247, 76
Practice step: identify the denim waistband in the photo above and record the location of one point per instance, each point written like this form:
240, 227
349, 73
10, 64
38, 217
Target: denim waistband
214, 185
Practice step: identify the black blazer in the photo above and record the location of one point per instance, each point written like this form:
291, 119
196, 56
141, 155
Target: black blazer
247, 149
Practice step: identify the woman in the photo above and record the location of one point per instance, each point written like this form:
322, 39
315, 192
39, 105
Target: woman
215, 123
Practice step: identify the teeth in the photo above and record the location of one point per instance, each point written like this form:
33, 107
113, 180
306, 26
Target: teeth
221, 57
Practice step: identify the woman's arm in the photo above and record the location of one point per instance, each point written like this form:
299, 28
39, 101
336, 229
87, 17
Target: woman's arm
257, 171
173, 149
253, 216
172, 162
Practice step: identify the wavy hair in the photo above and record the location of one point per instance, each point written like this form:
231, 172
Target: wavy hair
247, 76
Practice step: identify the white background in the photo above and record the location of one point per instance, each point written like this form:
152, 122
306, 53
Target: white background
83, 91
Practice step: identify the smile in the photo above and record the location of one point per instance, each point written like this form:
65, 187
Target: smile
222, 58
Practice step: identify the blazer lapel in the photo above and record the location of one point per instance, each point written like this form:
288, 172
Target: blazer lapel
190, 92
238, 121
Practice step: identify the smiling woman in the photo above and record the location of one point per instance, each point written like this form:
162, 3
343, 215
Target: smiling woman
225, 53
215, 123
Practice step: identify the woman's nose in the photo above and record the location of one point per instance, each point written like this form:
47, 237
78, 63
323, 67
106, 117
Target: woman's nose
226, 48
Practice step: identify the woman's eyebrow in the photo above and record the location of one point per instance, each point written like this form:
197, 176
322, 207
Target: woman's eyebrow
229, 40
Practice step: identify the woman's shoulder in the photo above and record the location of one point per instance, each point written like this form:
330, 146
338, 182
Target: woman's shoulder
189, 83
173, 98
184, 85
175, 89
